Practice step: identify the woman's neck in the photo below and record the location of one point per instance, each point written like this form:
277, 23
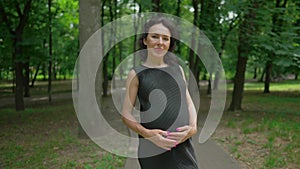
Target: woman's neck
155, 62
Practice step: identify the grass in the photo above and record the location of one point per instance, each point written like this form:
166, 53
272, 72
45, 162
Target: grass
40, 88
287, 85
266, 133
46, 137
280, 133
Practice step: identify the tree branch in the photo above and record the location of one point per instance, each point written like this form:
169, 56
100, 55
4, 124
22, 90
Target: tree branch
18, 10
284, 3
231, 27
5, 19
24, 17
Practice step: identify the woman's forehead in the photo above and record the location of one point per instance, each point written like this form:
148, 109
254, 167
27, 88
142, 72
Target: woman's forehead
159, 29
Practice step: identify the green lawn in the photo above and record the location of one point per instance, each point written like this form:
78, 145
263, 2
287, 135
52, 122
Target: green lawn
283, 86
267, 131
40, 88
46, 137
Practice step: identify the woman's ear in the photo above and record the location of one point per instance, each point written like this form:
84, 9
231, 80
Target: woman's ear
145, 41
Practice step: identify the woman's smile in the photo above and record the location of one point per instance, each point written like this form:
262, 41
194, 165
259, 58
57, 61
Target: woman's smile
158, 49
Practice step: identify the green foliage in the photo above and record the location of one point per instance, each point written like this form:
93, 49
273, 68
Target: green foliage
276, 41
35, 43
65, 32
220, 20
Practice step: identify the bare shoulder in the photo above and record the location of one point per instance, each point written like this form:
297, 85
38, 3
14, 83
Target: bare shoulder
131, 73
132, 77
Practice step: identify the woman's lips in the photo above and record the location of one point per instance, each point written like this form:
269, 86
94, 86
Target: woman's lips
159, 50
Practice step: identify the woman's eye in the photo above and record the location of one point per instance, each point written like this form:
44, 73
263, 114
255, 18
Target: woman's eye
154, 37
166, 39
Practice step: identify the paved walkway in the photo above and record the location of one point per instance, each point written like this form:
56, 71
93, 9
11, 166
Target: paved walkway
42, 99
209, 155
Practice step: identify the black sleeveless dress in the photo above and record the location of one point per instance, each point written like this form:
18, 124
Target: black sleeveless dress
162, 97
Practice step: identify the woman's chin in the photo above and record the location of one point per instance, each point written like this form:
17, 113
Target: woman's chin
159, 54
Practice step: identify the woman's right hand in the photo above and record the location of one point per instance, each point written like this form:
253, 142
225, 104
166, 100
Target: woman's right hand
159, 138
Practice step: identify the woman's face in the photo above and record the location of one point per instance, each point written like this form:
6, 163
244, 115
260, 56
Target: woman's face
158, 40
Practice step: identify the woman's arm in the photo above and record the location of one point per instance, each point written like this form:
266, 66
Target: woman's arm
193, 117
155, 135
129, 100
185, 132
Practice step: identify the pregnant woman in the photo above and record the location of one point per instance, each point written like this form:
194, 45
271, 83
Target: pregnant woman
168, 118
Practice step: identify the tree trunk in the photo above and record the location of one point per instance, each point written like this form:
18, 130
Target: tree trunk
16, 32
135, 26
246, 29
197, 66
115, 48
105, 77
50, 52
193, 62
35, 75
239, 79
44, 72
216, 81
178, 8
50, 81
54, 71
276, 29
156, 6
209, 85
89, 22
26, 80
268, 77
23, 17
120, 58
14, 77
19, 101
255, 73
217, 73
261, 79
105, 61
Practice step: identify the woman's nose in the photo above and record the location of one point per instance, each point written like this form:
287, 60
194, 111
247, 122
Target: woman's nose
160, 40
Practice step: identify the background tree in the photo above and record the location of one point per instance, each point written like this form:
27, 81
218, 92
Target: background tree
89, 23
15, 25
50, 51
193, 60
246, 30
228, 19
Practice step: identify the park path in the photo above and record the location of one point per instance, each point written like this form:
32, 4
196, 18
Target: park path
41, 99
209, 154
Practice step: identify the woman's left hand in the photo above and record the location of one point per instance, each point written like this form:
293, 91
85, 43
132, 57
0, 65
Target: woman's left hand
181, 134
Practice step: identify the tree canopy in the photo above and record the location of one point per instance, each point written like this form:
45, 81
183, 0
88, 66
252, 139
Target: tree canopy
263, 33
